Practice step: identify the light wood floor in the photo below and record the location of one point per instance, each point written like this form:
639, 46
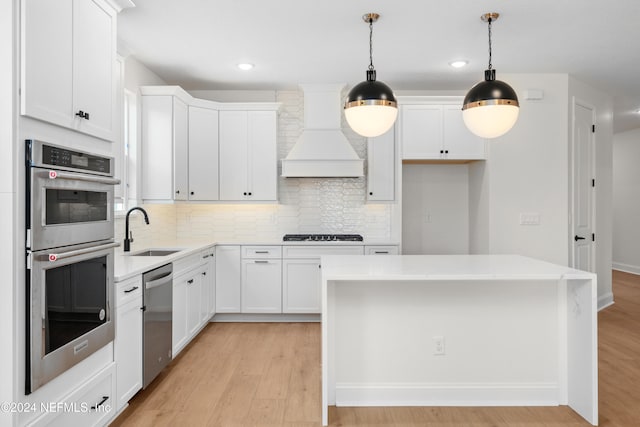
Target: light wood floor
258, 374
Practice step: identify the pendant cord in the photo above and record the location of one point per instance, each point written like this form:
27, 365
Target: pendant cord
371, 44
490, 65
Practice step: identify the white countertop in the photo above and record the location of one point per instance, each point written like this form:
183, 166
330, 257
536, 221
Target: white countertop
444, 267
127, 266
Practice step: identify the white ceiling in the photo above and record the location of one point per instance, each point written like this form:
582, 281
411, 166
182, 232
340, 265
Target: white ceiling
197, 43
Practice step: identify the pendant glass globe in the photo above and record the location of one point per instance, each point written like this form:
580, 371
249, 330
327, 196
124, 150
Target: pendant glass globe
490, 108
371, 108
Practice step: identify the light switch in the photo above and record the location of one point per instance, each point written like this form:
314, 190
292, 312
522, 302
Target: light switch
530, 218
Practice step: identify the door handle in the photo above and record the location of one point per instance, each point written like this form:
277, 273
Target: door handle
576, 238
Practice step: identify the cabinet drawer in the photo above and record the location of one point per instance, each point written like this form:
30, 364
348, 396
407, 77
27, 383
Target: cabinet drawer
187, 263
262, 252
317, 251
128, 290
207, 254
381, 250
93, 404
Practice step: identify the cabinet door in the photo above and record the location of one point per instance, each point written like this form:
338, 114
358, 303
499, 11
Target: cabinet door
47, 61
301, 286
233, 155
262, 156
128, 351
205, 309
458, 140
203, 154
179, 326
381, 162
94, 54
194, 297
261, 286
157, 147
228, 279
421, 131
180, 156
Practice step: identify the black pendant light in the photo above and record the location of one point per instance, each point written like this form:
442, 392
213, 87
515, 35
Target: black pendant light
491, 107
371, 108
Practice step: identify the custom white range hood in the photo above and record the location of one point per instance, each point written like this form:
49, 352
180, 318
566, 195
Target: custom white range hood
322, 149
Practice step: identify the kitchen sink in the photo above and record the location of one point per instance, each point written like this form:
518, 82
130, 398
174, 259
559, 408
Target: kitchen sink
156, 252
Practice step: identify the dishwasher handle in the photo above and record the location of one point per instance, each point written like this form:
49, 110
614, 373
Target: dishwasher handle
163, 280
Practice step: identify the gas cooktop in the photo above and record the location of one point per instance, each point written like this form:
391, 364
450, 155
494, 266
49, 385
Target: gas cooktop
322, 238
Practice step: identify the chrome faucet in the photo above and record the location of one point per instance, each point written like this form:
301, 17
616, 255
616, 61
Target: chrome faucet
128, 236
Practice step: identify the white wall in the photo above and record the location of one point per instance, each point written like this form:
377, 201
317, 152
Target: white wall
8, 256
604, 181
626, 201
435, 209
528, 173
136, 74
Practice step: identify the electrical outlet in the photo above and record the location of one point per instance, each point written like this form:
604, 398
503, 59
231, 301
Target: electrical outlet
438, 345
530, 218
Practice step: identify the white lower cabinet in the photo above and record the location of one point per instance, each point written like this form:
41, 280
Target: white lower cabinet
301, 286
381, 250
187, 314
301, 275
261, 286
94, 402
128, 342
208, 301
228, 279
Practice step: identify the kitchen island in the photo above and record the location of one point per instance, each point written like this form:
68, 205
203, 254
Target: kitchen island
458, 330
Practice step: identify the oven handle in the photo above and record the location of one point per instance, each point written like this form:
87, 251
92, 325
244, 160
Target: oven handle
56, 257
82, 177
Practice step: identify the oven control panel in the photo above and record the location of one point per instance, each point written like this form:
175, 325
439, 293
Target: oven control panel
57, 156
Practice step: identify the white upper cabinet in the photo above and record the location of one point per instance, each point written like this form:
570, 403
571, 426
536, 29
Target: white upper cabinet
381, 162
248, 156
421, 131
432, 130
68, 64
164, 156
203, 154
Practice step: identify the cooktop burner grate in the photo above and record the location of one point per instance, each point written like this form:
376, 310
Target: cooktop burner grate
322, 238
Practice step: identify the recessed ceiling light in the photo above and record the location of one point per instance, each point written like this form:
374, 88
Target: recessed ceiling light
245, 66
459, 63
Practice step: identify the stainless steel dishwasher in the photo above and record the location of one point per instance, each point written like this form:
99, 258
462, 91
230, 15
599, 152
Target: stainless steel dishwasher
157, 312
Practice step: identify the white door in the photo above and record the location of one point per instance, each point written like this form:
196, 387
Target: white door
421, 131
203, 154
381, 172
47, 78
262, 168
459, 142
180, 150
261, 286
233, 155
94, 55
301, 286
583, 156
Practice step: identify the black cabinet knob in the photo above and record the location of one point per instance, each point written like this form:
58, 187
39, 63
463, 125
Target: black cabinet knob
371, 193
249, 193
177, 191
192, 193
446, 151
244, 194
441, 151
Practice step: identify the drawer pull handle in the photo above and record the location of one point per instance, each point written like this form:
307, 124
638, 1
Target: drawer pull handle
261, 262
381, 252
104, 399
261, 252
190, 281
130, 290
205, 256
204, 273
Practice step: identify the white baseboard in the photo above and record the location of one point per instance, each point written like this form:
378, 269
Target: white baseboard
627, 268
410, 394
240, 317
605, 301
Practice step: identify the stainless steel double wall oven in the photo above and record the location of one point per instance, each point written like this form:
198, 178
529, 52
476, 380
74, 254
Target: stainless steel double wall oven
69, 258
